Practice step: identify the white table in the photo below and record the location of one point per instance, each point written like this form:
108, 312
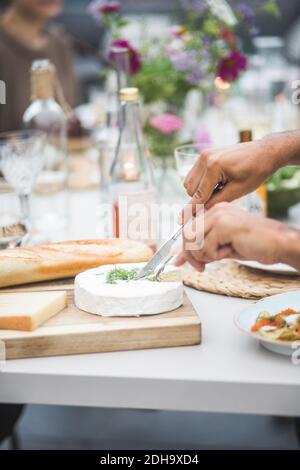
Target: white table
228, 372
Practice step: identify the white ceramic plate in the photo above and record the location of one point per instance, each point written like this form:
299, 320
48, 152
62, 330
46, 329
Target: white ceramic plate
279, 268
274, 304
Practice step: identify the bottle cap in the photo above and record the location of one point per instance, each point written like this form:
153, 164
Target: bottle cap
42, 80
246, 135
129, 94
40, 65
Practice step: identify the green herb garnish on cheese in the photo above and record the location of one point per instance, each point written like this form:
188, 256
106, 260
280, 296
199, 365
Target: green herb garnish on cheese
119, 274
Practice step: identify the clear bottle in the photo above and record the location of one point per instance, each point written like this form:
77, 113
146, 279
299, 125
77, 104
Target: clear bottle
132, 181
106, 137
51, 204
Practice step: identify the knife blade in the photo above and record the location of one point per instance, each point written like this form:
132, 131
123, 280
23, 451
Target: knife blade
161, 255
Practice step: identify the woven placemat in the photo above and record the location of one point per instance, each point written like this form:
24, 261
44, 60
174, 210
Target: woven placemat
231, 279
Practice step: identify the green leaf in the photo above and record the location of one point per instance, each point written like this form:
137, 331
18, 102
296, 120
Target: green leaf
159, 81
121, 22
271, 8
211, 27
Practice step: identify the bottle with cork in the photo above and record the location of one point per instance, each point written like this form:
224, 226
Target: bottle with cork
257, 201
48, 112
132, 182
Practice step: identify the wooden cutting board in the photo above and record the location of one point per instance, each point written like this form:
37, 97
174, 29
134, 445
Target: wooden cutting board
73, 331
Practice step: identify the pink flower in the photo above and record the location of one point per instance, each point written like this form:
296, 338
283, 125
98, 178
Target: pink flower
103, 7
134, 56
167, 123
230, 67
203, 138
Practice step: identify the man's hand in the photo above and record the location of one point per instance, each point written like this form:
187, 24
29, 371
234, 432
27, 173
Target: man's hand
239, 169
230, 232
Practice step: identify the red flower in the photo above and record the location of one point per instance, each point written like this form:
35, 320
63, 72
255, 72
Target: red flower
230, 67
229, 37
102, 7
134, 64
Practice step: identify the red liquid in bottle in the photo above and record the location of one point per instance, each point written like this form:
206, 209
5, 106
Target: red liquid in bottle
117, 227
116, 221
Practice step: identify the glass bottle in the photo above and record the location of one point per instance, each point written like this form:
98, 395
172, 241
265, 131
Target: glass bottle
256, 201
106, 137
50, 205
132, 181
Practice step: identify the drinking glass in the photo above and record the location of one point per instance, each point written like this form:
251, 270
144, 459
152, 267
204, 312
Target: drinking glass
186, 157
22, 160
12, 232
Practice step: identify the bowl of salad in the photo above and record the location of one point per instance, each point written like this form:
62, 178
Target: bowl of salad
283, 191
274, 322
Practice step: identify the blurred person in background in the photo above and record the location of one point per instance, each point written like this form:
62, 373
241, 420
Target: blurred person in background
24, 37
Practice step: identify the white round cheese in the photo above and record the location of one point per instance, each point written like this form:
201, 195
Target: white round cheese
126, 298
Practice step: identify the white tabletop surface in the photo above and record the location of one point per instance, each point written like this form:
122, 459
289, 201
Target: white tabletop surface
228, 372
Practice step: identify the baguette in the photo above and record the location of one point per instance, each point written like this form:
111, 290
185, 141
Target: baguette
66, 259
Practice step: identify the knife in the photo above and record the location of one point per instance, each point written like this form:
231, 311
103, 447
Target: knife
161, 255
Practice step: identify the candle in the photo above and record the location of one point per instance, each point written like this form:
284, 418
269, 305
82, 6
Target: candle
130, 171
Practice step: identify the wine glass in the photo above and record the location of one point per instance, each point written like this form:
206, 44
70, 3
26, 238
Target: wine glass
186, 157
22, 160
12, 232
